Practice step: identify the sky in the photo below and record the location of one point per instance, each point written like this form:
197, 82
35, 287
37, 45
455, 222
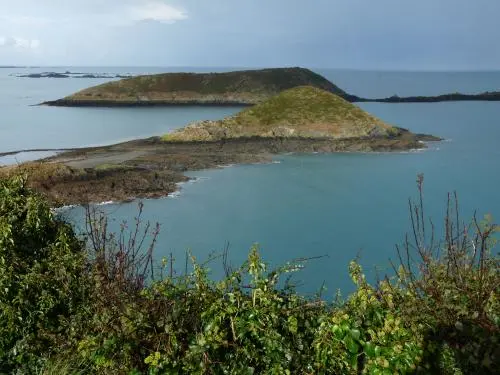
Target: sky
346, 34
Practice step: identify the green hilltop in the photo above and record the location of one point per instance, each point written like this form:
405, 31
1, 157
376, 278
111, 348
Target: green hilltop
245, 87
303, 112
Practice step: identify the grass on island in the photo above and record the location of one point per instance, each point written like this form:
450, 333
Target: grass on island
241, 86
304, 111
303, 105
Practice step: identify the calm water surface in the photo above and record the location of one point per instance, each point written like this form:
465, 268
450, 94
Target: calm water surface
337, 205
23, 125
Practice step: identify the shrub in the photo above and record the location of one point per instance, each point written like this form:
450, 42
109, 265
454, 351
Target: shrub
451, 289
41, 277
190, 324
368, 334
100, 306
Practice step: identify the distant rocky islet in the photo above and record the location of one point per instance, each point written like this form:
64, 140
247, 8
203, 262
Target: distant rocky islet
69, 74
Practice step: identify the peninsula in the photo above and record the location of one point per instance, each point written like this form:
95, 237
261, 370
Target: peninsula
245, 87
301, 119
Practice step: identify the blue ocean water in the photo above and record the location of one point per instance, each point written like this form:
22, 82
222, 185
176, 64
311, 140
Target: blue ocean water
338, 205
23, 125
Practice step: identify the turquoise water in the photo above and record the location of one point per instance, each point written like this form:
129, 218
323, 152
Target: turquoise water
337, 205
23, 125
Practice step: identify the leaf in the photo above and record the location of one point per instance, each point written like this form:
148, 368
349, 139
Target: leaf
351, 345
292, 324
355, 334
369, 349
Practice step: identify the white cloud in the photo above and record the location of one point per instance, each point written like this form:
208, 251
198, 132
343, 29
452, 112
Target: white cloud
132, 12
19, 43
156, 11
29, 14
34, 44
55, 27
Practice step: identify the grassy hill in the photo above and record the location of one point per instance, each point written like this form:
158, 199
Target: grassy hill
238, 87
304, 111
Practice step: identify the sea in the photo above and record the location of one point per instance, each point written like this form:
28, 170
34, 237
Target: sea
317, 210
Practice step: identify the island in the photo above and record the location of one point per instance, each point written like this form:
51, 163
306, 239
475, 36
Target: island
488, 96
240, 88
246, 87
300, 119
68, 74
303, 112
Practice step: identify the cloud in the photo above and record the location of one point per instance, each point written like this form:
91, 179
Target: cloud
34, 44
29, 14
156, 11
19, 43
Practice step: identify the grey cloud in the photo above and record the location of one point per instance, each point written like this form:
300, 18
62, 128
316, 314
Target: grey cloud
363, 34
18, 42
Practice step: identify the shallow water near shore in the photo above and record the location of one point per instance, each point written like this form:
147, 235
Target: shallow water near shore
338, 205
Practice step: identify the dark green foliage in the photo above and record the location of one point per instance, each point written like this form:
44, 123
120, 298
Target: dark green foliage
189, 324
63, 313
454, 287
41, 273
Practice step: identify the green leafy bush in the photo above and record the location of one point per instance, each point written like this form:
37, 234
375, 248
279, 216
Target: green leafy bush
100, 306
368, 334
41, 277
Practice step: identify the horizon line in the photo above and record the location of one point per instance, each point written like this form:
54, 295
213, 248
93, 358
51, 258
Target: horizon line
238, 67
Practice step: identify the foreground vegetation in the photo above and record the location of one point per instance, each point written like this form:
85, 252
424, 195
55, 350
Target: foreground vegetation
98, 304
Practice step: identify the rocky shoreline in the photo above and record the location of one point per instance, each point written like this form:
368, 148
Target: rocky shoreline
146, 102
151, 168
456, 97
